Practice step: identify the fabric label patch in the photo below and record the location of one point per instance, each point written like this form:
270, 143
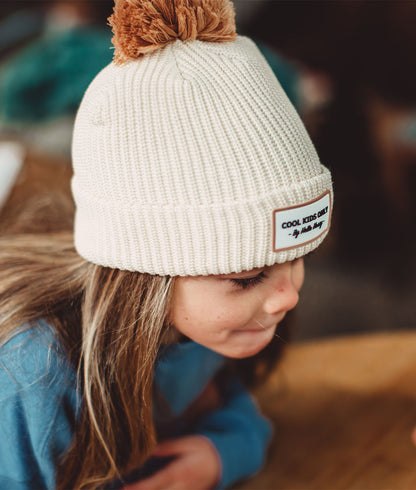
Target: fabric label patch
301, 224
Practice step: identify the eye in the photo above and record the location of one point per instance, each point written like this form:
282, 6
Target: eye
249, 282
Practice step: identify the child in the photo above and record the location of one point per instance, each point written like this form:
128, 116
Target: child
197, 194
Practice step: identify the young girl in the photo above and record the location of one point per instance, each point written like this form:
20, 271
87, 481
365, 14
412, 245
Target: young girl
197, 193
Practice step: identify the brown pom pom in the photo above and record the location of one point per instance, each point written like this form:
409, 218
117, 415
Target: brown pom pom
141, 26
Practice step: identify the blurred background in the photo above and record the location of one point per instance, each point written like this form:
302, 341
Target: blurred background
349, 69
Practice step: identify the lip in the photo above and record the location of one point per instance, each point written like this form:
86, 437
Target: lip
264, 328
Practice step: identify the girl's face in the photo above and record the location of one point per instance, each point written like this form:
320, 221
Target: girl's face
236, 314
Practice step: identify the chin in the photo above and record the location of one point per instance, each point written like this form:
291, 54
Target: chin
242, 355
243, 352
243, 343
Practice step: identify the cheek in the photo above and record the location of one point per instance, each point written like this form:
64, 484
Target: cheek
228, 315
208, 316
207, 309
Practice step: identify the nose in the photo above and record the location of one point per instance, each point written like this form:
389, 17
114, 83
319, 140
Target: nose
282, 297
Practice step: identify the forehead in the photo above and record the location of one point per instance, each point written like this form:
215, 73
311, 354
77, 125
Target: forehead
212, 278
243, 274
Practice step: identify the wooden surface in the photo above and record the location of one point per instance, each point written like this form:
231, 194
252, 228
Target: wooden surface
343, 412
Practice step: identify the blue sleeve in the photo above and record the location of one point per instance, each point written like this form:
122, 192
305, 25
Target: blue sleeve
37, 412
239, 433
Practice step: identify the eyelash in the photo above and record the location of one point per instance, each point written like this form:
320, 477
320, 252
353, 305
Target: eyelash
249, 282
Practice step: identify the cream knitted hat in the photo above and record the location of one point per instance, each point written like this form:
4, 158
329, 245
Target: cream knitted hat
190, 160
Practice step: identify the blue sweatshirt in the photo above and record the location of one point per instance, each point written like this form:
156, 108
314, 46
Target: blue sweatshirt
39, 404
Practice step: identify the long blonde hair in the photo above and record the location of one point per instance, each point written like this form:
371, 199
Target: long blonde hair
111, 324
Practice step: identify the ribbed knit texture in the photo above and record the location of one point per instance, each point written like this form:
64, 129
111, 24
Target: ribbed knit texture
180, 158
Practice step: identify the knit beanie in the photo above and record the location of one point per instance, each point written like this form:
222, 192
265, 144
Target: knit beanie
188, 157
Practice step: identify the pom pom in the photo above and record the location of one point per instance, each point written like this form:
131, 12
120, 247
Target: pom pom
142, 26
